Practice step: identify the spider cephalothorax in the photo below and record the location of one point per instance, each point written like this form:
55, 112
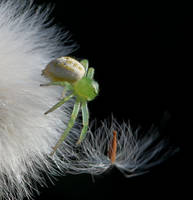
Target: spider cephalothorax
76, 78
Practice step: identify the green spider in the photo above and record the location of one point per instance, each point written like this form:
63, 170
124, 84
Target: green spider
76, 78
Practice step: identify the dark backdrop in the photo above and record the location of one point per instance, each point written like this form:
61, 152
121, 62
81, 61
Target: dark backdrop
140, 54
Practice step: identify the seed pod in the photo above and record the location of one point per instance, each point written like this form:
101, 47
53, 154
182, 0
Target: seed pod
64, 69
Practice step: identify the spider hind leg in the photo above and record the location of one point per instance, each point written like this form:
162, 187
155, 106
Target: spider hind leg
69, 126
85, 116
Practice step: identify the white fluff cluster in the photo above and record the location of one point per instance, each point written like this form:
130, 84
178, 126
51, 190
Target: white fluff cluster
27, 44
136, 151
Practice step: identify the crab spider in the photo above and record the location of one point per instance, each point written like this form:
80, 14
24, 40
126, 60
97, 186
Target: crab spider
76, 78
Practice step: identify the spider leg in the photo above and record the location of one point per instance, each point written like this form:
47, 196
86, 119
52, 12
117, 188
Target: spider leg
63, 93
69, 127
90, 73
60, 83
85, 64
62, 101
85, 116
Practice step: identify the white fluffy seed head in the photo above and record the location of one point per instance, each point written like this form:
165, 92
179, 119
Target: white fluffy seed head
136, 151
27, 44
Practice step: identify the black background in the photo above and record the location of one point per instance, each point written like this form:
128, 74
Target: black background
141, 58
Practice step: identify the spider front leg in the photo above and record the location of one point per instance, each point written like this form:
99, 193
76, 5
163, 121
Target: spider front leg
85, 116
60, 83
90, 73
69, 127
61, 102
84, 64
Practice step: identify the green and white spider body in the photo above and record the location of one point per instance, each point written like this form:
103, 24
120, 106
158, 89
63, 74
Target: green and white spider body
76, 78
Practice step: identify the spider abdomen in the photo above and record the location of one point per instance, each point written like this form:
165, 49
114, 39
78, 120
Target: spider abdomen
64, 69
